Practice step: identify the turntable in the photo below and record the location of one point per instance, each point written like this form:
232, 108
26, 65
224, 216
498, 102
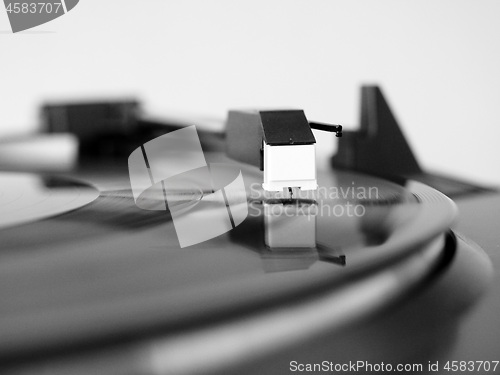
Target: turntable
363, 264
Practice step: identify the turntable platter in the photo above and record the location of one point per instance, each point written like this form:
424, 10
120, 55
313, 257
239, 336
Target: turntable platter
110, 269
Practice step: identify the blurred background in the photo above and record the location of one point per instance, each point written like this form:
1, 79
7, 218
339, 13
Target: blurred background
436, 61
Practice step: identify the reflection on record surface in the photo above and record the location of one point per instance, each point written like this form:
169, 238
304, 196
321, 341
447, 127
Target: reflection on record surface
28, 197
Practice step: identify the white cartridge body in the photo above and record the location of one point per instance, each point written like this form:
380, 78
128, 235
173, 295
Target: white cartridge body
289, 166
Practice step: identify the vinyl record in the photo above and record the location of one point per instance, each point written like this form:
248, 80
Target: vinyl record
111, 269
28, 197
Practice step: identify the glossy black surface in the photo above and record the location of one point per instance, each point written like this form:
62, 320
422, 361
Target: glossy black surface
110, 268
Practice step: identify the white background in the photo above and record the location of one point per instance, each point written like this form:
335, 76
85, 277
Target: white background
438, 63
